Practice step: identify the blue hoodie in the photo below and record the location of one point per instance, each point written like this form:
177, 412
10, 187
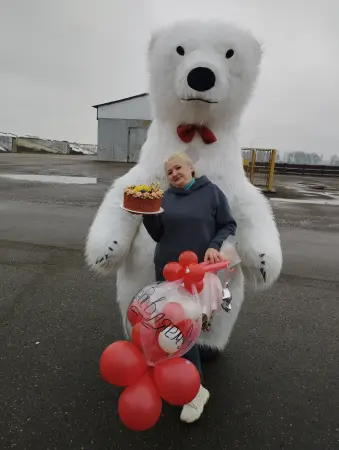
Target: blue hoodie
194, 219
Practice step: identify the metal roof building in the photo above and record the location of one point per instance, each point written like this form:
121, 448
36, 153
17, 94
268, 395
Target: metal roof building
122, 128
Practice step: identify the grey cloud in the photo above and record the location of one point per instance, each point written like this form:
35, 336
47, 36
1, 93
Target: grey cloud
57, 58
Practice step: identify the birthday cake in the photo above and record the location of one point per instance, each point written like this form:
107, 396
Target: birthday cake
143, 198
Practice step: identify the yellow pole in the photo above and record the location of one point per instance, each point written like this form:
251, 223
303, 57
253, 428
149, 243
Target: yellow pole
254, 155
271, 171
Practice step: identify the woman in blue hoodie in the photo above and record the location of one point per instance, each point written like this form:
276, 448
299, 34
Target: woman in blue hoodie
196, 217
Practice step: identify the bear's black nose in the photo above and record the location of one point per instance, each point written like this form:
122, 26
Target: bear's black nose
201, 79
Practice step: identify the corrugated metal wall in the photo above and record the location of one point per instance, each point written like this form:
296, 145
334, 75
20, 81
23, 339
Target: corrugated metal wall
120, 139
7, 142
41, 145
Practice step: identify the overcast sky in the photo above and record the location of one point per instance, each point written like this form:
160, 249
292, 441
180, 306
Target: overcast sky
59, 57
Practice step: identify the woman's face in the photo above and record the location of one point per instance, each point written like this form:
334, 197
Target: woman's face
179, 173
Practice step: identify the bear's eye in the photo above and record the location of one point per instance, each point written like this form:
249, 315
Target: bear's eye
229, 53
180, 50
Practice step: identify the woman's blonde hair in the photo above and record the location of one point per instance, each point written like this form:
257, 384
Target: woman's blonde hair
182, 157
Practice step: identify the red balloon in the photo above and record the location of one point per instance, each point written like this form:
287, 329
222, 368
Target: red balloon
140, 405
196, 273
122, 364
137, 312
150, 345
189, 329
134, 315
187, 258
150, 371
173, 271
136, 335
189, 286
174, 312
177, 380
185, 326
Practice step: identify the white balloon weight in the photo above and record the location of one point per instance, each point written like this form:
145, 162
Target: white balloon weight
170, 340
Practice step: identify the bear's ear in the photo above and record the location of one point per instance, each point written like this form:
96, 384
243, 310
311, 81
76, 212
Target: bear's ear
257, 46
260, 47
255, 49
154, 37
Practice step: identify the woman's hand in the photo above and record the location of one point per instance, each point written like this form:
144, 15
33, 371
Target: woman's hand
213, 256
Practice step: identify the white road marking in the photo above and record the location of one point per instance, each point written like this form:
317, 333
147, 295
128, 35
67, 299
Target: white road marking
60, 179
314, 201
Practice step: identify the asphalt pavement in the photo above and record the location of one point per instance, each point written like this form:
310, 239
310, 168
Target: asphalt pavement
275, 387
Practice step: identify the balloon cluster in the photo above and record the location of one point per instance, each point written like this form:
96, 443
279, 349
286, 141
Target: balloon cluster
175, 380
163, 322
188, 270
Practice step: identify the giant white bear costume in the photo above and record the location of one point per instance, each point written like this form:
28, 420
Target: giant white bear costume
201, 73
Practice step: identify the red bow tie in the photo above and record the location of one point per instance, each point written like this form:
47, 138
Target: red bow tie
186, 133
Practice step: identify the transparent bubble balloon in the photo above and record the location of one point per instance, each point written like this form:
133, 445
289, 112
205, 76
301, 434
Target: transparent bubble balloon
164, 320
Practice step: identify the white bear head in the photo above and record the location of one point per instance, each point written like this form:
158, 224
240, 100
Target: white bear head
202, 71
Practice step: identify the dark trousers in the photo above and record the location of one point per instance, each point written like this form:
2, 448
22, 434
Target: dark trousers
193, 353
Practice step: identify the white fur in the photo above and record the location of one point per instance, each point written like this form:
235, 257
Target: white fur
205, 44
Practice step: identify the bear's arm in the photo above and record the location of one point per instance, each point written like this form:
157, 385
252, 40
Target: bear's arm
259, 246
154, 226
225, 223
113, 229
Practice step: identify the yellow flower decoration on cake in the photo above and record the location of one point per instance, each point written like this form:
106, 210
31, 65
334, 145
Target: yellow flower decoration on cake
142, 187
145, 191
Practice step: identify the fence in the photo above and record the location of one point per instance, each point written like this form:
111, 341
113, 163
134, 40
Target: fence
87, 149
28, 144
259, 165
306, 170
37, 145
